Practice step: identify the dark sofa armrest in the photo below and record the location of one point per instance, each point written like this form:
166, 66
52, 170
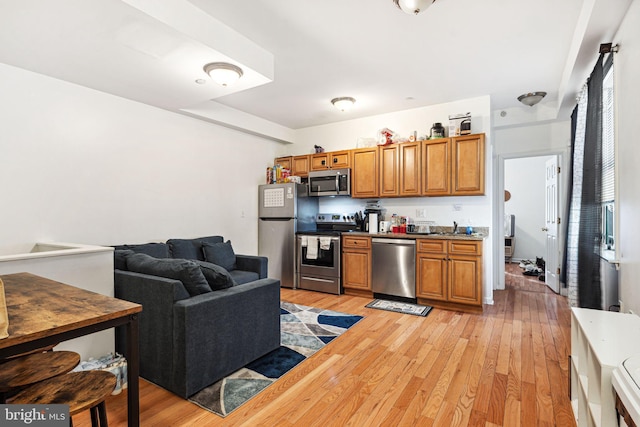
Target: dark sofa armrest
243, 320
157, 296
256, 264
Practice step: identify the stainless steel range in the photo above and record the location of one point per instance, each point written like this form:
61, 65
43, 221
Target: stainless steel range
319, 253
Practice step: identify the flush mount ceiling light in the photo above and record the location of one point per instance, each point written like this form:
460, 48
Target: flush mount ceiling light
343, 103
223, 73
413, 6
532, 98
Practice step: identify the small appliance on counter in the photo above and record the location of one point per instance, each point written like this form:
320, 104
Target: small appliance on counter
372, 208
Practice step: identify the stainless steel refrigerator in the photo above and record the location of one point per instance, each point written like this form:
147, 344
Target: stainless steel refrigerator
284, 210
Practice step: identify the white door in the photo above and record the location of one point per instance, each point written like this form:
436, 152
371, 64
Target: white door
552, 219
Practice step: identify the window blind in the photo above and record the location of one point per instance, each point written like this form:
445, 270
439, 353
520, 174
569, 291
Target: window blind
608, 140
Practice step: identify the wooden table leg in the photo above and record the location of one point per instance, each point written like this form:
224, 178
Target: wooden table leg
133, 371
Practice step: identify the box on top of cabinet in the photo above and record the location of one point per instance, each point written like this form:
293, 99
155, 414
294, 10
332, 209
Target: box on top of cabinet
459, 124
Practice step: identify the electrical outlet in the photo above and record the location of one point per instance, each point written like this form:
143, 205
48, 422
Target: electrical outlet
421, 213
457, 207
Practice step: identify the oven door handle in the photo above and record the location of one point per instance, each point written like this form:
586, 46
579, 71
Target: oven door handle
315, 279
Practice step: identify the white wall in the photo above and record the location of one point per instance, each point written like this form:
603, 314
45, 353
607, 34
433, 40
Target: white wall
82, 166
627, 87
525, 180
345, 135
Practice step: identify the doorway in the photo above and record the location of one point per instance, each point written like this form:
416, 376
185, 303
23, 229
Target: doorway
526, 188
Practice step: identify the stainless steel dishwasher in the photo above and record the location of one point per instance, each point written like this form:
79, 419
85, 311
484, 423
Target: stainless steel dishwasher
394, 267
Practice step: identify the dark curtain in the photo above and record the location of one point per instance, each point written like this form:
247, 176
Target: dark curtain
589, 239
569, 174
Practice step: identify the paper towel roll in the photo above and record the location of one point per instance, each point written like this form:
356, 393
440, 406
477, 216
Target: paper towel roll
373, 223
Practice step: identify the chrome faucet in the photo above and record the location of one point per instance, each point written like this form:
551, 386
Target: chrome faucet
455, 227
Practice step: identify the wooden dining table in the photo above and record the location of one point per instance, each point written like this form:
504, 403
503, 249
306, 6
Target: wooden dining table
43, 313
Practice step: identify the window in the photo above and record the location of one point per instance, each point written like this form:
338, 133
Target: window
608, 157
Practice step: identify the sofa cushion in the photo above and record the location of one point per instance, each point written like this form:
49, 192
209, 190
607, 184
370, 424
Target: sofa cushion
217, 277
120, 258
187, 271
191, 248
242, 276
221, 254
156, 250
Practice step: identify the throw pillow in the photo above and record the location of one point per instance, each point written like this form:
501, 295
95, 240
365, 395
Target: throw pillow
217, 277
120, 258
191, 248
221, 254
186, 271
156, 250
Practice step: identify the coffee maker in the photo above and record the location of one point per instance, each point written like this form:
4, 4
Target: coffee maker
370, 209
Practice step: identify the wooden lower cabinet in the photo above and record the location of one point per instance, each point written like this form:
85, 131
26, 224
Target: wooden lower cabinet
449, 273
465, 280
431, 269
356, 265
432, 277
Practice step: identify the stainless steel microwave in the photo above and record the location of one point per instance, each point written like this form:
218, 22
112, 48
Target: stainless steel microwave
330, 182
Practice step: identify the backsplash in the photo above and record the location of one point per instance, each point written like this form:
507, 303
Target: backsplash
439, 211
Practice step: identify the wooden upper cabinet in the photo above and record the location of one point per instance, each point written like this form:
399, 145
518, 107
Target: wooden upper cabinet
331, 160
364, 172
436, 167
467, 154
340, 159
285, 162
319, 161
389, 170
410, 175
300, 165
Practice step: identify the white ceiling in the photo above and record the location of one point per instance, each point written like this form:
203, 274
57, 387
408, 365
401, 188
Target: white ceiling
299, 54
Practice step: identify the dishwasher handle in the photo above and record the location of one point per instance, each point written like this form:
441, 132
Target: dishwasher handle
408, 242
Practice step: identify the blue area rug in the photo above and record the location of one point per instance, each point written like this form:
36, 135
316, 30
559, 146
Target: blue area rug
303, 331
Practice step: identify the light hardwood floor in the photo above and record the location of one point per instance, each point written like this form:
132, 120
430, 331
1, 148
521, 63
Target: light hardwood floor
505, 367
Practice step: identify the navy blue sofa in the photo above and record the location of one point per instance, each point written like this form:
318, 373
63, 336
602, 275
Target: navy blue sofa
200, 322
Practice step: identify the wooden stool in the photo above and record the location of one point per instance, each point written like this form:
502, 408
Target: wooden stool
24, 371
80, 390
